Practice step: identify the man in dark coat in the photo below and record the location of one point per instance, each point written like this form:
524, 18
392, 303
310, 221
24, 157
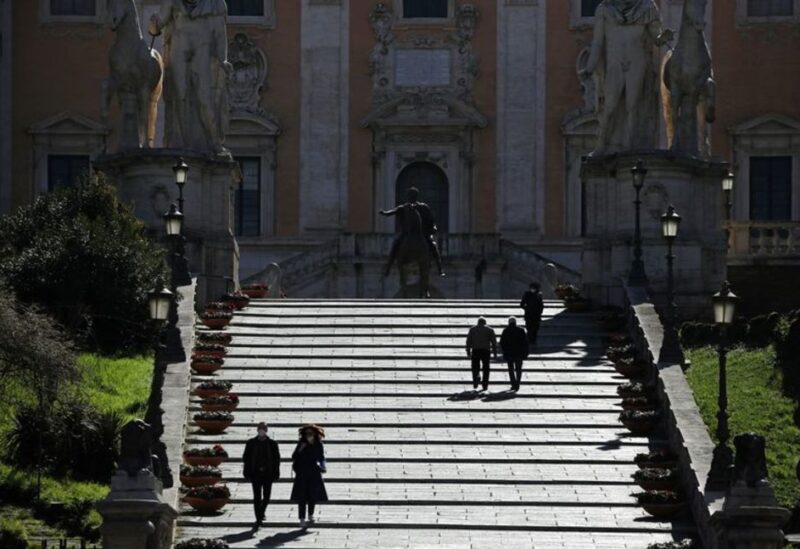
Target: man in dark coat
533, 305
514, 344
481, 344
262, 467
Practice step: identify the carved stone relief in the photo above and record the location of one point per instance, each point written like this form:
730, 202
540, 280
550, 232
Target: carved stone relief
248, 78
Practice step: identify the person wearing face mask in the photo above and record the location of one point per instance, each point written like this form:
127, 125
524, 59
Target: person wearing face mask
308, 463
262, 467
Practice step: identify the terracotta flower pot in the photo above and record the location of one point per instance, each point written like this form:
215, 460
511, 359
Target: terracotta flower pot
657, 464
216, 323
638, 406
211, 354
213, 426
628, 369
663, 510
254, 293
218, 407
667, 484
193, 482
205, 368
206, 505
206, 393
640, 426
238, 303
211, 461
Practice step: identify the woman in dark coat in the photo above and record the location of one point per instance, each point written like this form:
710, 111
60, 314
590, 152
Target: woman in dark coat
308, 463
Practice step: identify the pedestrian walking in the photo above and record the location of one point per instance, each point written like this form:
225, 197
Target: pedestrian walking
533, 305
514, 344
308, 463
262, 467
481, 344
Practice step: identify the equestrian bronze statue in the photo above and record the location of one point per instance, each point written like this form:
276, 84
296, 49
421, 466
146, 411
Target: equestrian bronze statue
416, 243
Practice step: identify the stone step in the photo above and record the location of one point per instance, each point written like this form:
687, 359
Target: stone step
346, 365
497, 391
551, 453
582, 357
388, 341
292, 537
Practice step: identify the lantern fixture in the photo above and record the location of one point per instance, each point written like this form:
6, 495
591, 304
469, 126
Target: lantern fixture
173, 221
727, 182
181, 170
670, 222
724, 303
639, 172
159, 302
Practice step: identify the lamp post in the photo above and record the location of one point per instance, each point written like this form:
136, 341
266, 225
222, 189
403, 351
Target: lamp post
181, 170
179, 276
637, 276
160, 304
724, 304
670, 223
727, 189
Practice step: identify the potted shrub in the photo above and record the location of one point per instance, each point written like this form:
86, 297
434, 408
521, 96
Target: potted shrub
215, 338
656, 478
618, 339
634, 389
683, 544
638, 403
206, 365
617, 352
237, 299
611, 319
577, 303
639, 422
224, 403
656, 458
628, 366
216, 320
563, 291
214, 350
663, 504
212, 456
216, 306
202, 543
255, 291
213, 422
207, 499
213, 388
199, 475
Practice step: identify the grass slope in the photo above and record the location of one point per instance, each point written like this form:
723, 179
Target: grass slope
755, 403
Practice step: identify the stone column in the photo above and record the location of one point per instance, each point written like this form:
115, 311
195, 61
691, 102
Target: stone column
324, 59
520, 117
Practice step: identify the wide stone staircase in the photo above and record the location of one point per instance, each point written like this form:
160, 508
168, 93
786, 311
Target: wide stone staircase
415, 457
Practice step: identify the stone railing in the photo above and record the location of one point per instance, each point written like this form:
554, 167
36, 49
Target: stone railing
764, 239
451, 246
685, 430
531, 262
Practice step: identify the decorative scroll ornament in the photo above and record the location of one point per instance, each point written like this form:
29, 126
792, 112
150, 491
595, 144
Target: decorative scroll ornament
248, 78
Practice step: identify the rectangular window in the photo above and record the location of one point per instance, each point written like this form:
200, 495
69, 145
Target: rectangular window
248, 198
771, 188
64, 170
770, 8
588, 7
73, 7
425, 9
246, 8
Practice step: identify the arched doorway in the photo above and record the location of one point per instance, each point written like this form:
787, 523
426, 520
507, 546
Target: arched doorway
433, 189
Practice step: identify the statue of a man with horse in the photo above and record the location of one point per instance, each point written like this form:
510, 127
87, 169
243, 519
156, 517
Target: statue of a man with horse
416, 243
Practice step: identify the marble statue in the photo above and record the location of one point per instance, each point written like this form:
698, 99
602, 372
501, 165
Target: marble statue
624, 59
136, 77
689, 88
196, 73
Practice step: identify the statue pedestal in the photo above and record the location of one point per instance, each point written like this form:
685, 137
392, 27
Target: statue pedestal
693, 186
145, 180
750, 519
135, 515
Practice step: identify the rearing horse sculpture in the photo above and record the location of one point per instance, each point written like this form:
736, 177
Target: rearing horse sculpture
689, 89
136, 77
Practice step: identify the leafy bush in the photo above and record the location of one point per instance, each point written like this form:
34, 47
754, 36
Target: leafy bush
83, 256
73, 439
13, 534
200, 543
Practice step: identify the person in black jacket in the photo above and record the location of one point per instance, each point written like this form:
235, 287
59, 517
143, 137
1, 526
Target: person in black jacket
514, 344
262, 467
533, 305
308, 463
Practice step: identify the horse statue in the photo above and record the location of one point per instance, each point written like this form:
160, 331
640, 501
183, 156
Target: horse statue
413, 249
689, 90
136, 77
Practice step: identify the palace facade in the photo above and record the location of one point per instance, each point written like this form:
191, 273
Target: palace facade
338, 106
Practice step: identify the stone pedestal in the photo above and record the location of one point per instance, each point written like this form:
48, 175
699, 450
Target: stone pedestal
145, 180
750, 519
693, 186
134, 514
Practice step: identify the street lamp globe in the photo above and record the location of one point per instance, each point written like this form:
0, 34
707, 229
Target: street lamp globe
159, 302
670, 222
181, 170
727, 182
724, 303
173, 221
639, 172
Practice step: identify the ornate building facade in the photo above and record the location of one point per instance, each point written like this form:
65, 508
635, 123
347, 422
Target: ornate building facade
338, 106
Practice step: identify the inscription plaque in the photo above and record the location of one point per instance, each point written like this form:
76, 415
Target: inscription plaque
415, 67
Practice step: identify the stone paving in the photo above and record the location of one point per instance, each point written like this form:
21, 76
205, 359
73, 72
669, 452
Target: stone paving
416, 458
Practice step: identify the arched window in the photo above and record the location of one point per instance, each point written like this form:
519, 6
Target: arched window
433, 189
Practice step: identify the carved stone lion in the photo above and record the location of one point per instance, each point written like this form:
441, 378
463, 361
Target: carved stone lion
750, 464
135, 450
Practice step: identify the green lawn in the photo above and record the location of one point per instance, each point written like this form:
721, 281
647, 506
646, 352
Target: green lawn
755, 403
109, 384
